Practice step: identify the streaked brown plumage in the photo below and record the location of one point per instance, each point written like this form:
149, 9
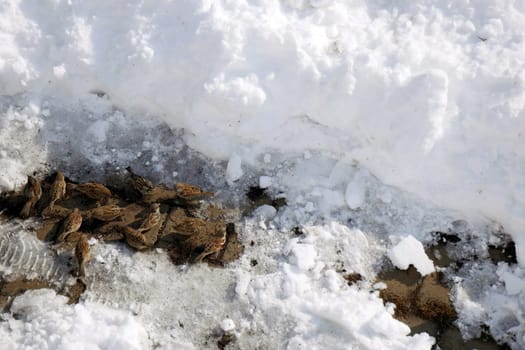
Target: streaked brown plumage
92, 190
58, 188
55, 211
187, 191
215, 245
107, 212
152, 219
207, 235
83, 254
159, 194
185, 225
32, 193
134, 238
139, 183
71, 224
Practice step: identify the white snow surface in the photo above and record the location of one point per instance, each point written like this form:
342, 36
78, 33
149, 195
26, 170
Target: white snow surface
410, 251
398, 117
45, 321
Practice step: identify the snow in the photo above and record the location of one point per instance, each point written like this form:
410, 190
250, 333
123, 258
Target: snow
373, 119
227, 325
44, 320
410, 251
265, 181
234, 169
322, 310
265, 212
355, 192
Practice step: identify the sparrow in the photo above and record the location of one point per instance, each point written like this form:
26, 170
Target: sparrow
55, 211
32, 193
185, 225
58, 188
188, 192
215, 245
92, 190
139, 183
83, 254
71, 224
160, 194
134, 238
106, 212
152, 220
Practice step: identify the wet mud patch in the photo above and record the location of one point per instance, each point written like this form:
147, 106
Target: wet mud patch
259, 196
352, 278
75, 291
504, 252
423, 303
449, 250
10, 289
224, 341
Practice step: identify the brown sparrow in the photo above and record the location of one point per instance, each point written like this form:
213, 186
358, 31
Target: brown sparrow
134, 238
71, 224
187, 191
107, 212
55, 211
159, 194
83, 254
215, 245
139, 183
185, 225
93, 190
32, 192
58, 188
152, 220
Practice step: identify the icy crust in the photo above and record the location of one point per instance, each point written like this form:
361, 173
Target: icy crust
45, 321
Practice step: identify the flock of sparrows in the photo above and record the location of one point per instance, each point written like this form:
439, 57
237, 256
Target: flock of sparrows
107, 208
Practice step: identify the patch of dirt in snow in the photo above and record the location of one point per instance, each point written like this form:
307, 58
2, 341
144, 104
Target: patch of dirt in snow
424, 303
10, 289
